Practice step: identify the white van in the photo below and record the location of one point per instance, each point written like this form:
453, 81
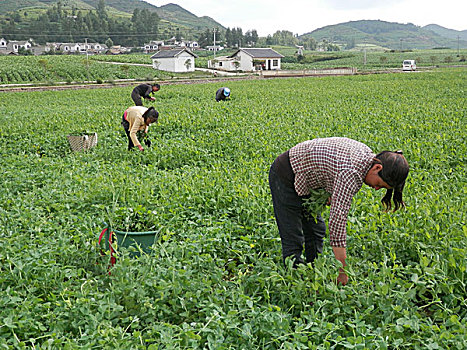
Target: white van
409, 65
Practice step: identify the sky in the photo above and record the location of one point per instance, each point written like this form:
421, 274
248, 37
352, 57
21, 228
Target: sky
304, 16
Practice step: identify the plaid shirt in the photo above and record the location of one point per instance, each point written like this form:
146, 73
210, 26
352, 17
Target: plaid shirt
337, 164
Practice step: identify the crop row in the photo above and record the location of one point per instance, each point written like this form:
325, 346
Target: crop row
65, 69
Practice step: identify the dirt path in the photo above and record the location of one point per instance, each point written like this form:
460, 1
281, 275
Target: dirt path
64, 86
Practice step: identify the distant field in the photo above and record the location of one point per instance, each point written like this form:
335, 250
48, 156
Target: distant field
214, 278
50, 69
380, 60
76, 69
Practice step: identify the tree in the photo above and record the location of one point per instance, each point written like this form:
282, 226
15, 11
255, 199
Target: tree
310, 43
350, 44
284, 37
109, 43
251, 37
157, 64
187, 64
101, 12
228, 38
236, 65
205, 38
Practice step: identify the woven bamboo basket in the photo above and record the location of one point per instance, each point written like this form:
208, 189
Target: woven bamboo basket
82, 142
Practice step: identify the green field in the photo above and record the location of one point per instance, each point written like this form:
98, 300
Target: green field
214, 278
378, 59
77, 69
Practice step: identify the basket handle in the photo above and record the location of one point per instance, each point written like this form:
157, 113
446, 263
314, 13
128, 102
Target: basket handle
110, 241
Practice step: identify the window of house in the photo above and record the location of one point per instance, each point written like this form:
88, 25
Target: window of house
220, 64
275, 63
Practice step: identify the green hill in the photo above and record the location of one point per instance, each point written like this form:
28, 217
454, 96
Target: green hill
448, 33
387, 35
171, 15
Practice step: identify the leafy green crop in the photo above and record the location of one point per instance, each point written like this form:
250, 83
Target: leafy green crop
315, 203
215, 278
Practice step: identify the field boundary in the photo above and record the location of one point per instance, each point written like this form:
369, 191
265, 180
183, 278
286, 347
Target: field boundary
269, 75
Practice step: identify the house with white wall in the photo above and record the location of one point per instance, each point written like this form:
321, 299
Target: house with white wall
152, 46
191, 44
214, 48
225, 63
14, 45
175, 60
68, 47
255, 59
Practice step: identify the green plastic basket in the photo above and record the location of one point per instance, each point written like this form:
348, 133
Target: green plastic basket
143, 240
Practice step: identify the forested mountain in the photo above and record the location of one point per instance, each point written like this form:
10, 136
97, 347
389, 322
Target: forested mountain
385, 34
448, 33
125, 22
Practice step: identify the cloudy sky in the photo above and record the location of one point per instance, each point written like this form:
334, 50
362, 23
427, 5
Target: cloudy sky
303, 16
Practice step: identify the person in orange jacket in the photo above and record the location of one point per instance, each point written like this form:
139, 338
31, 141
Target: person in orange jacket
138, 118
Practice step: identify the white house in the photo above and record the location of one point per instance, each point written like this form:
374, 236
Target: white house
69, 47
190, 44
224, 63
14, 45
214, 47
254, 59
40, 49
175, 60
3, 43
152, 46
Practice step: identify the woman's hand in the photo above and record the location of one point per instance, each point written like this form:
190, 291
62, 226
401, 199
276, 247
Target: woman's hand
140, 148
342, 278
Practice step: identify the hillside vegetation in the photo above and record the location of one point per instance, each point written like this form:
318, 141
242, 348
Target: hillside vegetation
25, 19
385, 34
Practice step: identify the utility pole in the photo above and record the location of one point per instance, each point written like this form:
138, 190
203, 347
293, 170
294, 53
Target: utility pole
87, 57
214, 31
458, 46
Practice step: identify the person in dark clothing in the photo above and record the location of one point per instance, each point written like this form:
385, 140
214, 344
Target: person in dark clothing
222, 94
144, 91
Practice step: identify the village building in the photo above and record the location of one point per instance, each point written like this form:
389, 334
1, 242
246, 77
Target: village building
193, 45
175, 60
248, 60
254, 59
3, 43
225, 63
214, 48
40, 50
152, 46
14, 46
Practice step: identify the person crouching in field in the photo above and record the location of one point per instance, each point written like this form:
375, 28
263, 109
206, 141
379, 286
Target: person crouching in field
222, 94
340, 166
144, 91
136, 119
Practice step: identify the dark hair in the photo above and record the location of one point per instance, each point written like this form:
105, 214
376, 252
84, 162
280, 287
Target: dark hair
394, 172
156, 86
152, 114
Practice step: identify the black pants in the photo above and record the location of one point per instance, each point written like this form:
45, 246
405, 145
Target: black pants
295, 228
126, 127
136, 98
